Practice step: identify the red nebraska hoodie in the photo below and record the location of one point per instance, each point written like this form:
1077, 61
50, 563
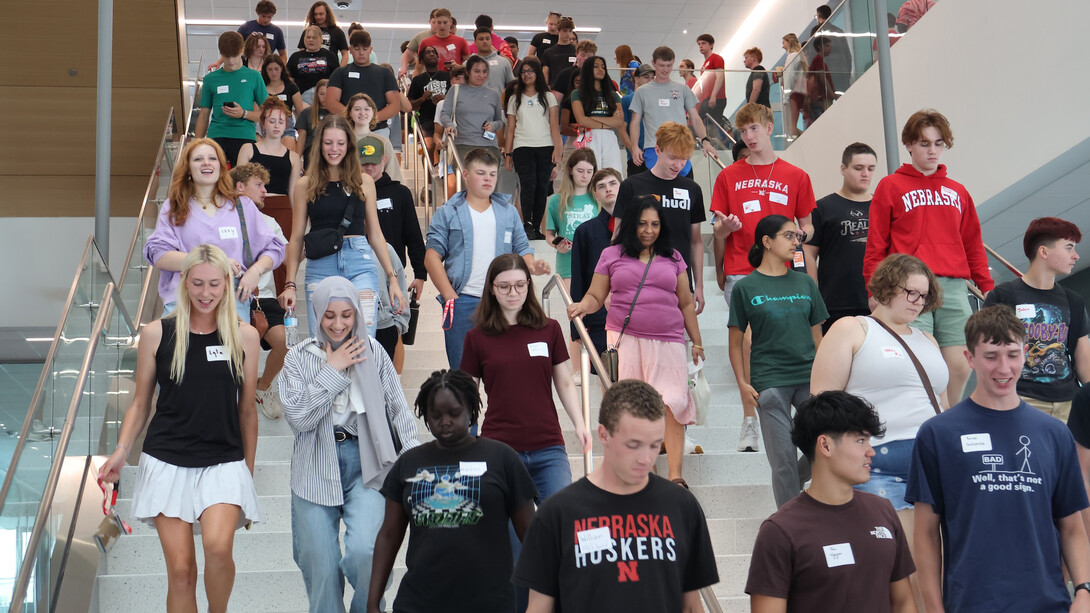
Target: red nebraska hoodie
930, 217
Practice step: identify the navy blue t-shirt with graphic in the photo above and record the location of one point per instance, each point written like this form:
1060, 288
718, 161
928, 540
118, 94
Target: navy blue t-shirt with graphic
459, 503
998, 481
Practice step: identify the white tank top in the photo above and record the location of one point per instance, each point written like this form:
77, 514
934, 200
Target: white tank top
883, 374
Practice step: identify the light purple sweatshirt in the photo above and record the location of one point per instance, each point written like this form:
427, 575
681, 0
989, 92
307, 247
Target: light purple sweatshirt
222, 230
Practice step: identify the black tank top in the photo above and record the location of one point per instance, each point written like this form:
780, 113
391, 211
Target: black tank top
328, 209
196, 422
279, 169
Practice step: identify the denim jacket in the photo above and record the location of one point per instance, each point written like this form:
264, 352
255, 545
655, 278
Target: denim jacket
451, 235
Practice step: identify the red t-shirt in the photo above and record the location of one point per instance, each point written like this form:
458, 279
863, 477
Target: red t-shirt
517, 369
714, 61
753, 193
453, 48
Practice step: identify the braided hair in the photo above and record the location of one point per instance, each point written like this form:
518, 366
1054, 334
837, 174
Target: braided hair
456, 382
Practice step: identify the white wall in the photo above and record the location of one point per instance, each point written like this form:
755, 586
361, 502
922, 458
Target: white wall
40, 259
1005, 73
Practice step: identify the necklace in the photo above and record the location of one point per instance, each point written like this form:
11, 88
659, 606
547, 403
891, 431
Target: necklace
764, 192
205, 203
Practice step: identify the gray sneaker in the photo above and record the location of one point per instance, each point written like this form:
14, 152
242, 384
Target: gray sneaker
268, 401
748, 440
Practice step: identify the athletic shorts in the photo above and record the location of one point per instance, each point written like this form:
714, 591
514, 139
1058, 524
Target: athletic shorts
947, 324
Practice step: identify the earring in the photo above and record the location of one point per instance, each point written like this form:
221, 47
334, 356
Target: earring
189, 177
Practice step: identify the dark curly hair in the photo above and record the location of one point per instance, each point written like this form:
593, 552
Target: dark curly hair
456, 382
834, 413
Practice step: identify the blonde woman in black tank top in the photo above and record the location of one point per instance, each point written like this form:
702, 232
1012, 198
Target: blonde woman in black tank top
196, 466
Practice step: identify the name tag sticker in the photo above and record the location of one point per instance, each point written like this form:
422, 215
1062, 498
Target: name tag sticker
1025, 311
538, 350
571, 59
595, 539
472, 469
493, 62
216, 353
507, 236
777, 197
353, 75
451, 47
892, 352
546, 41
664, 102
385, 204
227, 232
223, 89
752, 206
270, 35
976, 442
839, 555
283, 97
681, 193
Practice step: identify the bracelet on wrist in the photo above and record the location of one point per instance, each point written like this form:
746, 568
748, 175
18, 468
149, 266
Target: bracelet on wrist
125, 447
700, 347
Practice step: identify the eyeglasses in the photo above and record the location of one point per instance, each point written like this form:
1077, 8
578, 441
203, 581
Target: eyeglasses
913, 296
508, 288
793, 235
527, 71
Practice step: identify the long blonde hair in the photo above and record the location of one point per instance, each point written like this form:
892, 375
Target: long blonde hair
567, 185
317, 174
316, 108
181, 182
226, 315
794, 46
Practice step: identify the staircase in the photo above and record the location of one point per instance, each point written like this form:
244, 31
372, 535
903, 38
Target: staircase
733, 488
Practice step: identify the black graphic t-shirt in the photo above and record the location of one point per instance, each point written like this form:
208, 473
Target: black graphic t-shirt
593, 550
1055, 320
682, 206
840, 232
459, 503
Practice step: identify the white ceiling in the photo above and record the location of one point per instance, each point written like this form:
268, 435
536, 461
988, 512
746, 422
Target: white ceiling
641, 24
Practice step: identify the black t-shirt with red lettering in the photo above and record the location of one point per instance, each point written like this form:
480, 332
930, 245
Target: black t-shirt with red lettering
656, 549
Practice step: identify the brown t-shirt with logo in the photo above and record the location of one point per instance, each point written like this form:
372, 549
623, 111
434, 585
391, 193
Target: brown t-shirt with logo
830, 558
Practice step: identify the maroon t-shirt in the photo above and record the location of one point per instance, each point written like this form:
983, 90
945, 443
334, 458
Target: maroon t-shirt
830, 558
517, 369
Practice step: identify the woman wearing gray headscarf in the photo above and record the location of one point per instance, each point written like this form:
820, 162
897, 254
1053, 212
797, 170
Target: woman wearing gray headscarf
344, 402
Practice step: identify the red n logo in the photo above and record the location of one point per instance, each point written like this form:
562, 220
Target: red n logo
627, 571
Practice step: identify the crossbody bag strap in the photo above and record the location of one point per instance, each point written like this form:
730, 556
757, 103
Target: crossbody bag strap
915, 362
454, 108
247, 254
633, 305
348, 212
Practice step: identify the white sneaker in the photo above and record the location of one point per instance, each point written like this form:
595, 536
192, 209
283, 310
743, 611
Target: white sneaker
691, 447
748, 440
268, 401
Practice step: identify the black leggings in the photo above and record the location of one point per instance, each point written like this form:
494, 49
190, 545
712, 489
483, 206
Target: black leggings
533, 165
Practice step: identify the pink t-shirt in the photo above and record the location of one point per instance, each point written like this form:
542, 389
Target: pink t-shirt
657, 315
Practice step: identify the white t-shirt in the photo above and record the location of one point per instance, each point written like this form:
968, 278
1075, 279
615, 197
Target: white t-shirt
266, 288
484, 250
531, 122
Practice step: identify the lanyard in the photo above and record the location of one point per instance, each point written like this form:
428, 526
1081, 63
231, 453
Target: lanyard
448, 314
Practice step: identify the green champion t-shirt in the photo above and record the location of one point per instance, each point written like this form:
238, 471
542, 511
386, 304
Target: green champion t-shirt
583, 208
781, 311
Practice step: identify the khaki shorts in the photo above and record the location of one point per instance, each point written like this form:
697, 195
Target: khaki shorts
1059, 410
947, 324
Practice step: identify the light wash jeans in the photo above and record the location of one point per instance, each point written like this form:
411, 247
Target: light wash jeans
355, 262
316, 546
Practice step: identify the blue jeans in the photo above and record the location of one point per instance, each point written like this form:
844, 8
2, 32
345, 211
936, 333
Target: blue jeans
455, 337
355, 262
551, 472
889, 472
242, 308
315, 545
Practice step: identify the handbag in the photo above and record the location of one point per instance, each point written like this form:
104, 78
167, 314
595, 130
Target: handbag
325, 242
919, 367
609, 356
699, 391
257, 316
414, 317
258, 319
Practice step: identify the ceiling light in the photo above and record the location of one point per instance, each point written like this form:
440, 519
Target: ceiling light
384, 26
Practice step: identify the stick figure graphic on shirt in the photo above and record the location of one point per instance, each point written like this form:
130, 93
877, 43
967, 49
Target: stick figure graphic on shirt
1025, 449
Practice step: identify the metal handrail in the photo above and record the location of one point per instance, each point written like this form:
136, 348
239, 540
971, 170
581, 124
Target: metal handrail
588, 355
1002, 260
450, 157
22, 581
147, 195
722, 129
430, 171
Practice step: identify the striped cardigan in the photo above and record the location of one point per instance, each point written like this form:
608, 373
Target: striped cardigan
308, 385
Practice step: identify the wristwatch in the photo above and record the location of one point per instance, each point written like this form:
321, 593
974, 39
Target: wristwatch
705, 139
1083, 586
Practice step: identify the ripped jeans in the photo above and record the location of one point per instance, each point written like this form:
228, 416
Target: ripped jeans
355, 262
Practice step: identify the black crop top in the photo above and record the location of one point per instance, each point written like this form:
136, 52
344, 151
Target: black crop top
279, 168
328, 210
196, 422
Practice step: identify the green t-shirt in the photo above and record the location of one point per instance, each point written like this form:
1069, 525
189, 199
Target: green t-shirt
244, 87
583, 208
781, 310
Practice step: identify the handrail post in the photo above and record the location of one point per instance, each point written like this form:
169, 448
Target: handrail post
584, 376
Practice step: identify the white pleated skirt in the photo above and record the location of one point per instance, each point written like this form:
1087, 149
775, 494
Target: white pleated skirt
184, 493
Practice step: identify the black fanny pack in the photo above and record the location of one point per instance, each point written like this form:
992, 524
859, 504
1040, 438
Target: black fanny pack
318, 244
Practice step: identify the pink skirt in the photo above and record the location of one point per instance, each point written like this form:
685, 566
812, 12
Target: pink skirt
661, 364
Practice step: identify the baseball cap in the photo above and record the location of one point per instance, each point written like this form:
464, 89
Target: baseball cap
644, 70
371, 150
